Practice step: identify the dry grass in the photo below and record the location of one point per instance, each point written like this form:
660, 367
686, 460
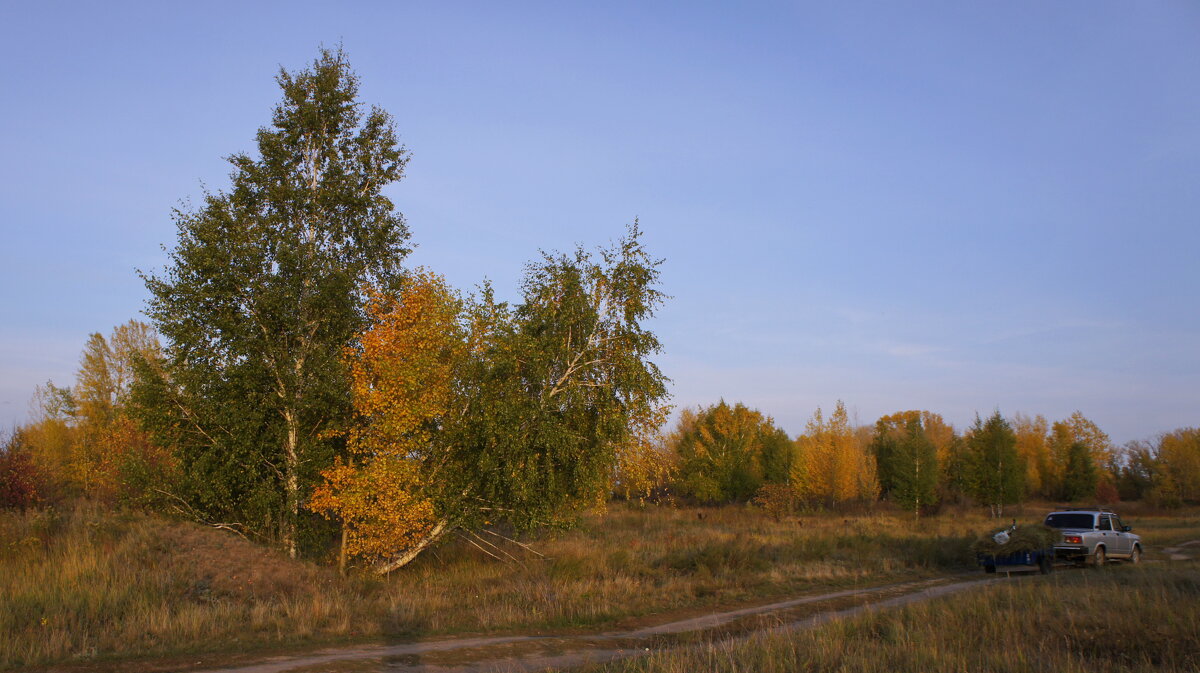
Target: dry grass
1143, 618
86, 584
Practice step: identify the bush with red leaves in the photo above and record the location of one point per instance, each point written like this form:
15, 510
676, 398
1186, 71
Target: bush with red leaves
18, 476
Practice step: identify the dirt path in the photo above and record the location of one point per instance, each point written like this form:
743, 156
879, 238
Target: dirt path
1176, 553
535, 653
539, 653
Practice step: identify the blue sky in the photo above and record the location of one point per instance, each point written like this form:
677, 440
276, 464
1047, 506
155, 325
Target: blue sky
947, 206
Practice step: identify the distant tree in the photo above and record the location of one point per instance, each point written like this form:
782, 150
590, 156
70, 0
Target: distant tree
725, 452
1034, 451
778, 454
1139, 470
1063, 435
262, 293
997, 474
645, 465
891, 429
832, 466
112, 457
19, 479
82, 439
1097, 441
50, 438
955, 471
1179, 466
913, 468
1080, 479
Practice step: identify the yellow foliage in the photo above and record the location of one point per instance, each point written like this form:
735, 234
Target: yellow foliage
402, 376
1034, 450
643, 463
833, 465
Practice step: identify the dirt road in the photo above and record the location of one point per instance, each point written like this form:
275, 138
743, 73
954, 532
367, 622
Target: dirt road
538, 653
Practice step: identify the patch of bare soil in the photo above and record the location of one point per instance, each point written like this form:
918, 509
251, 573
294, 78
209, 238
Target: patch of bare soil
225, 566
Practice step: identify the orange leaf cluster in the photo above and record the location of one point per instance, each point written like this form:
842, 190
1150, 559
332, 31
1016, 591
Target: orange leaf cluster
402, 382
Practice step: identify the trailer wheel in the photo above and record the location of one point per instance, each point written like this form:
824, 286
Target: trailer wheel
989, 569
1046, 565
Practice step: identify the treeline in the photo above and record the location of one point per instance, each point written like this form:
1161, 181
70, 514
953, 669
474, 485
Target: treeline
730, 453
83, 440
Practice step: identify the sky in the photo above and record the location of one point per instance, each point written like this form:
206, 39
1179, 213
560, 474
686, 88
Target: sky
959, 207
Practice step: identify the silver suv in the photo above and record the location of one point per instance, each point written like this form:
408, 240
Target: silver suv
1093, 536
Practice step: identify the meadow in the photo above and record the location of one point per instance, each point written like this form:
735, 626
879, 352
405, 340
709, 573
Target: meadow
83, 585
1125, 618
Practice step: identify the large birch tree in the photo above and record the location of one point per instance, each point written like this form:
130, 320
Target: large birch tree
261, 294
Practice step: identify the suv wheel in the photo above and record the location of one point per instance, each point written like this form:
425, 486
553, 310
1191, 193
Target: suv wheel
1100, 557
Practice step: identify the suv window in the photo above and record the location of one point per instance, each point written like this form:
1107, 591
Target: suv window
1071, 520
1105, 522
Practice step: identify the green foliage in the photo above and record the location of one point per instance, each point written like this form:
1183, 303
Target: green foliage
996, 472
906, 459
499, 415
551, 388
778, 455
726, 453
914, 469
1080, 478
262, 293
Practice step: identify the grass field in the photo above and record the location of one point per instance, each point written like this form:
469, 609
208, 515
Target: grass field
1143, 618
86, 585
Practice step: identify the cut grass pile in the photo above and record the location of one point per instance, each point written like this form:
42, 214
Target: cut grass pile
1132, 618
1028, 537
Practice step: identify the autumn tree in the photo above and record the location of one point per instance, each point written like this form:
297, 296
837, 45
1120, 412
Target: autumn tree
20, 481
112, 457
1064, 434
261, 295
471, 413
1179, 466
832, 466
50, 438
726, 452
645, 465
996, 472
1032, 446
82, 438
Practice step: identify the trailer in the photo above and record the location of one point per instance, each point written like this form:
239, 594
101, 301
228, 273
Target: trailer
1039, 560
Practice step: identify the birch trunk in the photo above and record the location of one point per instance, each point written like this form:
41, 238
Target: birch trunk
441, 528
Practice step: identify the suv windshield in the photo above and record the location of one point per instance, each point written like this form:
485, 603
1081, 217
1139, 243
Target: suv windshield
1071, 521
